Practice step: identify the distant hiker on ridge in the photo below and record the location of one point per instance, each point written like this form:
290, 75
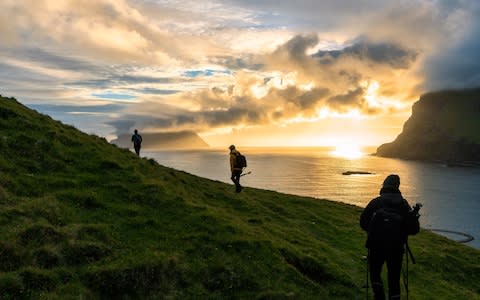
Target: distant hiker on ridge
137, 142
388, 220
237, 163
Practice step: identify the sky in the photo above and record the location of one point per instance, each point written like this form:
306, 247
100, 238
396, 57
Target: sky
250, 73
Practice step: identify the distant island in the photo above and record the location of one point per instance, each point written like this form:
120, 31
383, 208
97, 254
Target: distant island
164, 140
444, 127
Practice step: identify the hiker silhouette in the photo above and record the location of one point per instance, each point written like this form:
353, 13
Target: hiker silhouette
137, 141
388, 220
235, 168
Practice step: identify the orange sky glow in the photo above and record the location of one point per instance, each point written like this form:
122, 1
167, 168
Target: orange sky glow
250, 73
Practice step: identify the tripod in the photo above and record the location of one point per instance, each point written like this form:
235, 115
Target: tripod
367, 265
408, 253
408, 256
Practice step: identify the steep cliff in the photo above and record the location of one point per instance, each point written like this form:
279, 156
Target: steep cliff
444, 126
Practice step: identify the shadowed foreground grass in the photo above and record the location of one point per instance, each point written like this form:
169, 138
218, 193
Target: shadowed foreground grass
83, 219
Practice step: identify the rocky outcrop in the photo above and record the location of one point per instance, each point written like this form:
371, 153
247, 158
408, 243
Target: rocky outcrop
444, 126
356, 173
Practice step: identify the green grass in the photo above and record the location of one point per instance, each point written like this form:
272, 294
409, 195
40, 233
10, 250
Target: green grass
83, 219
458, 112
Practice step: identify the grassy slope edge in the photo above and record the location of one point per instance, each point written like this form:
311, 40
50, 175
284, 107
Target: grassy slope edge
83, 219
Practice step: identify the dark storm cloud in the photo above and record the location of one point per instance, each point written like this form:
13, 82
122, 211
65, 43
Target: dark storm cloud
390, 54
458, 67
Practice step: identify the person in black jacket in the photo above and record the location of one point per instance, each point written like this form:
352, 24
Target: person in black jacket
137, 142
387, 246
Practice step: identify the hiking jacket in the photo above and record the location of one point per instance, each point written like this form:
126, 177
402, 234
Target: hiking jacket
137, 139
390, 199
233, 160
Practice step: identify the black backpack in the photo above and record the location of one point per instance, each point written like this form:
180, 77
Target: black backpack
241, 161
137, 139
387, 229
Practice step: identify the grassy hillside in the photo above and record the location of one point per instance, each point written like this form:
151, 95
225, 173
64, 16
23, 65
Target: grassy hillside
456, 112
444, 126
83, 219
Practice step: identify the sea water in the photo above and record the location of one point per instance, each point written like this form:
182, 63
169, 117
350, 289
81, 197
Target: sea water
450, 196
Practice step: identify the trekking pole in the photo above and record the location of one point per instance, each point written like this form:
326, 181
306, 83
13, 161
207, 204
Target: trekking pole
249, 172
405, 281
410, 254
366, 258
366, 277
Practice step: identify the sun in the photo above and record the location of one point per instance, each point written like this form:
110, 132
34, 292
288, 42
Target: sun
348, 151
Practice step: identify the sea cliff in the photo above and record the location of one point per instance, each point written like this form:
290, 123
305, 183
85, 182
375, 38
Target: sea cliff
444, 126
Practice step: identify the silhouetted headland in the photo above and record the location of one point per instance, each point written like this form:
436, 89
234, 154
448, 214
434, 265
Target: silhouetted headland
444, 127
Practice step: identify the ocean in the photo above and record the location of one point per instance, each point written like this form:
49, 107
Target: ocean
450, 195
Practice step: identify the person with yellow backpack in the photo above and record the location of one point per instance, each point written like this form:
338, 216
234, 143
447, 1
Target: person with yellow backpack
237, 163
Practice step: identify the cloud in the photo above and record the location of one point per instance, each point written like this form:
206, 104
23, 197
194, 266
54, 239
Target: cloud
233, 64
49, 108
391, 54
289, 84
218, 108
49, 59
115, 31
348, 99
457, 65
308, 15
351, 67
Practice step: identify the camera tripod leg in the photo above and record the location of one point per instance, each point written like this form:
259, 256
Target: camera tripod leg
408, 254
367, 265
